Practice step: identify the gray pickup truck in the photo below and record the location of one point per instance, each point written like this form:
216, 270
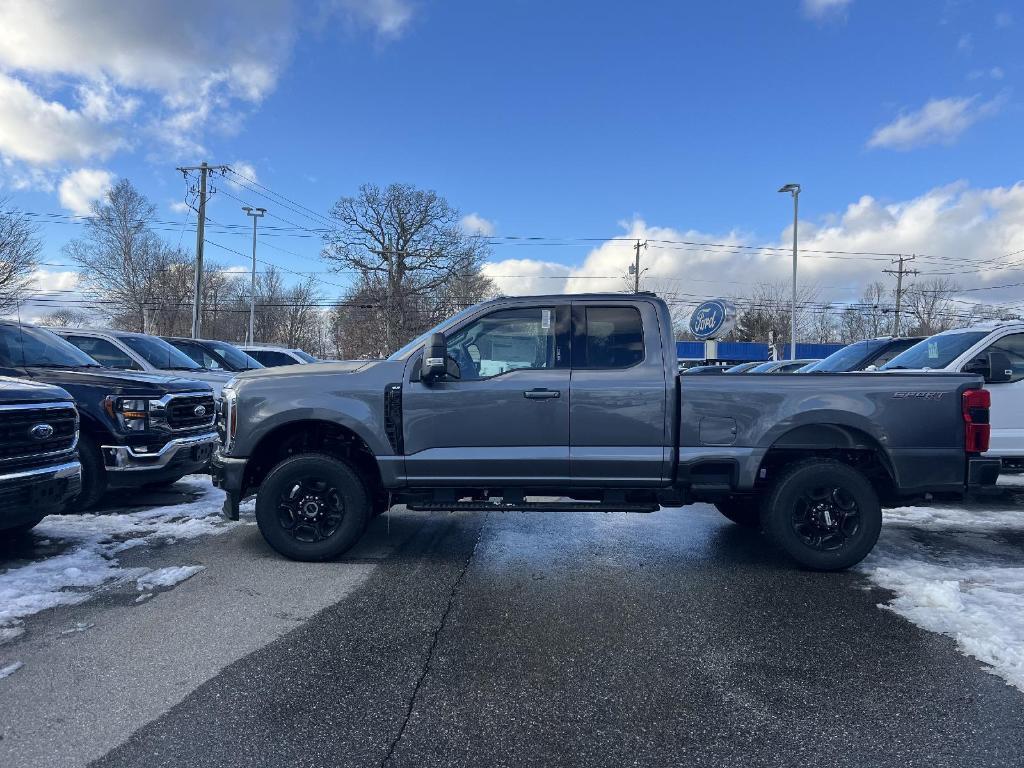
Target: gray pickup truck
578, 397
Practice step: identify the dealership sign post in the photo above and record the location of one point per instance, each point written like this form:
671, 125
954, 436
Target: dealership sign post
710, 321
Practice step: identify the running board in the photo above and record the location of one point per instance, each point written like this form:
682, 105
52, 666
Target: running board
528, 506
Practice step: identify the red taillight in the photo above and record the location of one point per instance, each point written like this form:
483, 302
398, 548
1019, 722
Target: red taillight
976, 424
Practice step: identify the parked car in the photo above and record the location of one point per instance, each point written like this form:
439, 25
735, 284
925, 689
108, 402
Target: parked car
270, 356
475, 415
39, 468
862, 355
140, 352
701, 369
135, 428
993, 350
743, 367
780, 366
214, 355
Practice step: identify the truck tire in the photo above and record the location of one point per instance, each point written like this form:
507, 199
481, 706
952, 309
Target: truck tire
94, 475
742, 510
823, 513
312, 507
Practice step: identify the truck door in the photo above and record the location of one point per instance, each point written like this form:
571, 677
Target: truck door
1007, 411
505, 419
619, 399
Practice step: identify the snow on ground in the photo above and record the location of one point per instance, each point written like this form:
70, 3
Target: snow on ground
90, 559
958, 570
10, 669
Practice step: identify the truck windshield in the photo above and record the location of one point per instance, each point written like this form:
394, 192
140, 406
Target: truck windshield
846, 359
235, 358
404, 352
936, 352
30, 347
304, 356
160, 354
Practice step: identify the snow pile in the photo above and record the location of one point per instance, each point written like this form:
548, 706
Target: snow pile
90, 561
167, 577
958, 571
10, 669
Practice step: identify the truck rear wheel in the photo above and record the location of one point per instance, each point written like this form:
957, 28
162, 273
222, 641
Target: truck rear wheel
824, 514
94, 476
742, 510
312, 507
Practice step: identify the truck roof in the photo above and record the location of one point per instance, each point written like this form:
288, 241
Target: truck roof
596, 296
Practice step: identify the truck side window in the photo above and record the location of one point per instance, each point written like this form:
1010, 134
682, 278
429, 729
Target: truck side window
506, 340
1013, 347
103, 352
615, 337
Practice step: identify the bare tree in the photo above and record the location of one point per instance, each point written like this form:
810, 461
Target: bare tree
407, 245
120, 258
766, 312
19, 249
929, 303
67, 318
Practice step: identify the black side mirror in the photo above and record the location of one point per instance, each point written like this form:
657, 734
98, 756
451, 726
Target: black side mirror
435, 358
980, 367
999, 368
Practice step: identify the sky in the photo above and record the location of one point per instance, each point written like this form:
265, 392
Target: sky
585, 124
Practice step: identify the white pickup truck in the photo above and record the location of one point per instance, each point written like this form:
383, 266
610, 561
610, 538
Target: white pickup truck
995, 350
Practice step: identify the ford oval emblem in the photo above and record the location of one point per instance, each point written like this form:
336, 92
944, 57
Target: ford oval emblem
713, 319
199, 411
41, 432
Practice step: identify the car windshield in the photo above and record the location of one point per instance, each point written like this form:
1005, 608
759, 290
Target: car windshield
304, 356
236, 359
33, 347
741, 368
405, 351
935, 352
160, 354
763, 367
846, 359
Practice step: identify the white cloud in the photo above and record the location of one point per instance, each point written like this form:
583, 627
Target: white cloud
966, 43
819, 9
45, 280
389, 18
955, 223
1004, 19
475, 224
179, 206
938, 121
80, 188
41, 132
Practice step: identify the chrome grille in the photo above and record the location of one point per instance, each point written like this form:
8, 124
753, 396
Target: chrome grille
23, 435
181, 411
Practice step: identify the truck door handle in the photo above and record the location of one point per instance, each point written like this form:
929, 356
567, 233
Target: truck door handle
541, 394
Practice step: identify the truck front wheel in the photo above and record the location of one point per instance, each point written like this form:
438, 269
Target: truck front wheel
312, 507
824, 514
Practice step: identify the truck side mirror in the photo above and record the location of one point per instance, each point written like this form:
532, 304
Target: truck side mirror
999, 368
435, 358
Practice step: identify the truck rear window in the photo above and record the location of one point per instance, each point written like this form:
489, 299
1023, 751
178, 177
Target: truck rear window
615, 337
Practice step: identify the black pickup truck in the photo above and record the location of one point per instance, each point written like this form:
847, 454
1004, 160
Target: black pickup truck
580, 397
39, 469
136, 428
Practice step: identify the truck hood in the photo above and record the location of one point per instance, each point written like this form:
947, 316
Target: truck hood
312, 369
116, 382
20, 391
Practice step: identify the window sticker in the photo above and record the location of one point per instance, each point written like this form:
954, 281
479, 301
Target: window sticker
545, 319
933, 350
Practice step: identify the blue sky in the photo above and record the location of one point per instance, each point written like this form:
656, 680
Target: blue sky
902, 121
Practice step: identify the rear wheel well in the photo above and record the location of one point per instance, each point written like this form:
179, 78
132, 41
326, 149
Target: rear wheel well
849, 445
313, 436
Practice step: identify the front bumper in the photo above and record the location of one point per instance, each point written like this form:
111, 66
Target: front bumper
982, 472
229, 475
25, 493
128, 465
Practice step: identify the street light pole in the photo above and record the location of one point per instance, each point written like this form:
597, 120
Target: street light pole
794, 190
255, 213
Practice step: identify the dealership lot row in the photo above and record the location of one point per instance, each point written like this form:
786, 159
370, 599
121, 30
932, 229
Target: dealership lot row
173, 617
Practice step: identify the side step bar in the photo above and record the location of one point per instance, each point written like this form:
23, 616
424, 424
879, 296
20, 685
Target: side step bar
528, 506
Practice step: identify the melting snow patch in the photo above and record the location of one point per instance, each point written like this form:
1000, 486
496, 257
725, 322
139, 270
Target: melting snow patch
90, 561
957, 571
10, 669
167, 577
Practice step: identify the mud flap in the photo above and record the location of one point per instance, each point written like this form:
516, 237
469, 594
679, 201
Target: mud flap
230, 508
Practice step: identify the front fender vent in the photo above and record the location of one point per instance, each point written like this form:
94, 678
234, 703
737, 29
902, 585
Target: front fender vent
393, 417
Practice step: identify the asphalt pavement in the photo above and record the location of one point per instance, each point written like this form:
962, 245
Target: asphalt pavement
518, 639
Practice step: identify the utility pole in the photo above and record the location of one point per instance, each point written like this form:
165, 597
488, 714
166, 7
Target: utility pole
197, 299
635, 269
256, 213
900, 271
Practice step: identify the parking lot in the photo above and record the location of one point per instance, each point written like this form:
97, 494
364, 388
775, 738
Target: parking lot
163, 635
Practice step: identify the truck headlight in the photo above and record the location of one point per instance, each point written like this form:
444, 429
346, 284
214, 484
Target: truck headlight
130, 413
227, 416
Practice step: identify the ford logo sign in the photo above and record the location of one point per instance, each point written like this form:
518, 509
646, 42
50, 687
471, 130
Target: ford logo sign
713, 319
199, 411
41, 432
